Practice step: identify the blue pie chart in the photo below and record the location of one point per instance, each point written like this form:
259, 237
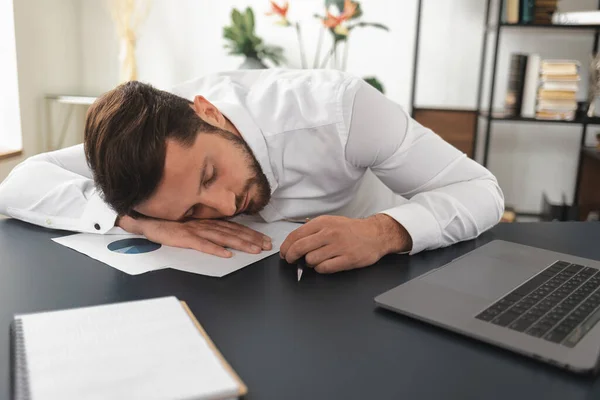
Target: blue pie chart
133, 246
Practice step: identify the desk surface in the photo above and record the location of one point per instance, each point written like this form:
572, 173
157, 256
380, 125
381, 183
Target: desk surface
320, 338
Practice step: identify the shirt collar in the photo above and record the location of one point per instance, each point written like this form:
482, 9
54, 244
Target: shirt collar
251, 134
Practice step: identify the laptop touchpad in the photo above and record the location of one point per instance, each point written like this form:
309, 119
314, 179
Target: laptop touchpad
481, 276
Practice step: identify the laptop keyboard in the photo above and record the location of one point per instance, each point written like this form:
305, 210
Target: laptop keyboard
560, 304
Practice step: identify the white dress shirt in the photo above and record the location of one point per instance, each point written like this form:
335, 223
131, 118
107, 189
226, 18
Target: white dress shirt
328, 143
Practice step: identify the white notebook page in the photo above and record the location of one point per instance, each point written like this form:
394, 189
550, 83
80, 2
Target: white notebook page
146, 349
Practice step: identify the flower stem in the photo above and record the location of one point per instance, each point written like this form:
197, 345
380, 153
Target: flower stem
301, 45
335, 57
328, 56
318, 52
346, 43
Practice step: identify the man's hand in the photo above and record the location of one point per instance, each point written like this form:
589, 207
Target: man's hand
333, 244
209, 236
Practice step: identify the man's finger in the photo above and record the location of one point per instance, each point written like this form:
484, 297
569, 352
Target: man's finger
228, 240
332, 265
322, 254
307, 229
258, 240
241, 228
303, 246
206, 246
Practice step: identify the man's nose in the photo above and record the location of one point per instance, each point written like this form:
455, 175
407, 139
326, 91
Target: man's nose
222, 201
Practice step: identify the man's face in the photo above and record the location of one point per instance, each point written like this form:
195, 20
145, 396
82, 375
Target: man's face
218, 176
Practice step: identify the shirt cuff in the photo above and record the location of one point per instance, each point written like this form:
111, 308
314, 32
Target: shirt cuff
97, 217
420, 224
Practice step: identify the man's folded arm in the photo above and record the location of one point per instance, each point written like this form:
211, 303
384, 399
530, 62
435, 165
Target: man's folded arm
56, 190
451, 197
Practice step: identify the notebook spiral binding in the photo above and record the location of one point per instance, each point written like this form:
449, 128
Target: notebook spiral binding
19, 372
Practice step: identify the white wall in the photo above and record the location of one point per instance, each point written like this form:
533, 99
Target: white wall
449, 53
48, 61
183, 39
10, 121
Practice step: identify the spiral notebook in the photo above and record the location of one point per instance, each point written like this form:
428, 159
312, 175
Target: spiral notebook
147, 349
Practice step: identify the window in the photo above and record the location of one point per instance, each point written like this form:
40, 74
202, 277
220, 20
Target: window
10, 117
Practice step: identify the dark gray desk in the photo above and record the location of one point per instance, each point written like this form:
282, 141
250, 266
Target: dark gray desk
320, 339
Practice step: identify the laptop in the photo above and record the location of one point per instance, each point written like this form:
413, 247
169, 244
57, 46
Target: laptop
535, 302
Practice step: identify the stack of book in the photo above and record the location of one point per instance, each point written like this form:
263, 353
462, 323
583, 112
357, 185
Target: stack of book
542, 89
529, 11
559, 82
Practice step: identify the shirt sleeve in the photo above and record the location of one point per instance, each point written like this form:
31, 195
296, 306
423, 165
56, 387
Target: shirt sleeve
56, 190
451, 197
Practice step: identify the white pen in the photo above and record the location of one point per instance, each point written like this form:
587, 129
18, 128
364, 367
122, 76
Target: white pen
301, 262
301, 265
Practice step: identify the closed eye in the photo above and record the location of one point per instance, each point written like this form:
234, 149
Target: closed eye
212, 178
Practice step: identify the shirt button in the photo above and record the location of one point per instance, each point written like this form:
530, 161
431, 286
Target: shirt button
48, 222
97, 227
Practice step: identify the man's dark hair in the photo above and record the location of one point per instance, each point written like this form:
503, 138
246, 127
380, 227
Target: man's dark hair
125, 140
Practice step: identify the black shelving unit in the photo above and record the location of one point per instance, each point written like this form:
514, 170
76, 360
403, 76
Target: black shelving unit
577, 121
551, 26
416, 59
488, 116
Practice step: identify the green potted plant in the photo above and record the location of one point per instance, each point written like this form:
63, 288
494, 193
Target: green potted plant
242, 40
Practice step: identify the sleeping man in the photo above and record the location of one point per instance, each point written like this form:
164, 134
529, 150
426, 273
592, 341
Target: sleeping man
286, 145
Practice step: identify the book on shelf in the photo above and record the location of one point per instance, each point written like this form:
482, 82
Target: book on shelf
528, 11
560, 78
511, 11
545, 94
556, 115
530, 86
560, 67
543, 11
556, 105
576, 18
516, 80
558, 86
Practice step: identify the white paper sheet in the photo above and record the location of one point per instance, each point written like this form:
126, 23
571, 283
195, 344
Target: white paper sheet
96, 247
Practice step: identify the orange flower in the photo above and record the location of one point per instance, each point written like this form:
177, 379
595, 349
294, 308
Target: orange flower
279, 10
333, 21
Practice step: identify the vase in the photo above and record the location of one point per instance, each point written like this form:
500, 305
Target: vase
128, 71
128, 16
252, 63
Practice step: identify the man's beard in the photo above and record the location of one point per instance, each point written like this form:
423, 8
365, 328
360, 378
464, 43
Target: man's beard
258, 179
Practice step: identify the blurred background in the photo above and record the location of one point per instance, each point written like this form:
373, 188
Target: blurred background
440, 59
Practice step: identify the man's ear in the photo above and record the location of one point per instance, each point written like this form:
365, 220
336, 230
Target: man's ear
208, 112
